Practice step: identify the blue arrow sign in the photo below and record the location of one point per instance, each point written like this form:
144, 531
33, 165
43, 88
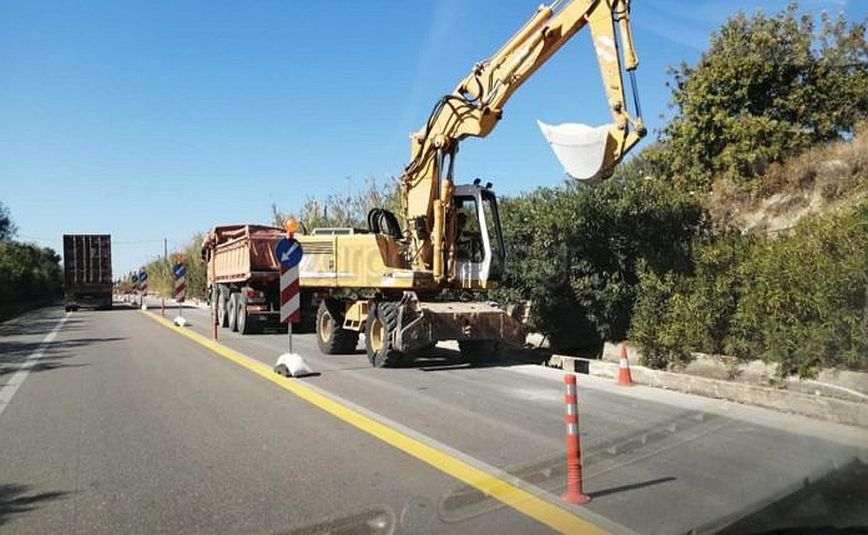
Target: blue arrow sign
288, 252
143, 276
179, 270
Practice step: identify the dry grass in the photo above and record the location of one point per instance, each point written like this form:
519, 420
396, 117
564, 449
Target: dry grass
820, 179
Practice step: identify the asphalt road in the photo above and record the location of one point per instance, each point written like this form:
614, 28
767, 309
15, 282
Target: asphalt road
123, 426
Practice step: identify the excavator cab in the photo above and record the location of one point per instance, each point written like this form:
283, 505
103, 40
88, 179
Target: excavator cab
480, 254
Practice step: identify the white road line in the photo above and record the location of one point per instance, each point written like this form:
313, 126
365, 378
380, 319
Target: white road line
8, 390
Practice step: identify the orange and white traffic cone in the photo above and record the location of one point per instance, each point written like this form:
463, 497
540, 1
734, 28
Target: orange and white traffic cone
574, 493
624, 377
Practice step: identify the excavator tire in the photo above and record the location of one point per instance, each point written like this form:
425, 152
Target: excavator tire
379, 335
478, 351
331, 337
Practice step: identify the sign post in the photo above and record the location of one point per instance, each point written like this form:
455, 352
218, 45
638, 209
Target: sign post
166, 261
288, 252
179, 271
134, 279
143, 287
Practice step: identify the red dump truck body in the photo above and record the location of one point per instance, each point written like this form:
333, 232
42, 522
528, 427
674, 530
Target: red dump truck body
87, 270
243, 276
240, 253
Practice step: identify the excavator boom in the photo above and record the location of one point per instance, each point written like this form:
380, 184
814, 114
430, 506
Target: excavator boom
474, 108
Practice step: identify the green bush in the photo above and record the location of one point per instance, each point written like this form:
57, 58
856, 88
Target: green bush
28, 274
677, 314
575, 252
804, 302
799, 300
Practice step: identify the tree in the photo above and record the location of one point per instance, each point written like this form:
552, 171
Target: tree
29, 275
349, 210
767, 88
161, 279
7, 226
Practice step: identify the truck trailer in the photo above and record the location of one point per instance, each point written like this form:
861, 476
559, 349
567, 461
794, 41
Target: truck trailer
87, 271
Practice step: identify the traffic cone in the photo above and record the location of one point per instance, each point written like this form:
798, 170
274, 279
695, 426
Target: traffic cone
624, 377
573, 494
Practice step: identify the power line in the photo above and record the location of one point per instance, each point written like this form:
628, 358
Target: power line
114, 242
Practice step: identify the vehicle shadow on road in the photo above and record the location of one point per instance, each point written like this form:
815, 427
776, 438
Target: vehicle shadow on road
43, 326
833, 503
443, 359
12, 354
122, 306
10, 350
20, 499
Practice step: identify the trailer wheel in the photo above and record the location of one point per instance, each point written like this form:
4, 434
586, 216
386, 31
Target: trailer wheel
331, 337
222, 316
478, 351
215, 298
380, 335
232, 311
244, 326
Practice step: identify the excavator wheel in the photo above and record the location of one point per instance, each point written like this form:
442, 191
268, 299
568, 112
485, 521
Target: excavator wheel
478, 351
379, 335
331, 337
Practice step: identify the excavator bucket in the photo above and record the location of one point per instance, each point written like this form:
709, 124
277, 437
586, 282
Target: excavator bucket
580, 148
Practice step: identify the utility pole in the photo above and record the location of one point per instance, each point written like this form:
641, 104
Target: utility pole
166, 261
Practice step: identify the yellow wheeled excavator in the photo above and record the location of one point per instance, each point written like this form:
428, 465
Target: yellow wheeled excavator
449, 235
385, 280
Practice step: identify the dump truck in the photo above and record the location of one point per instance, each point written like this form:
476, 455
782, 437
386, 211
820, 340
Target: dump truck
87, 271
244, 277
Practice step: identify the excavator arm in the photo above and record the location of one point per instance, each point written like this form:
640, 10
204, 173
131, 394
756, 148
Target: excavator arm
476, 105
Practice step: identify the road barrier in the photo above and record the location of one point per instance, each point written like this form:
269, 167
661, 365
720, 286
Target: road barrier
624, 376
143, 287
179, 271
574, 494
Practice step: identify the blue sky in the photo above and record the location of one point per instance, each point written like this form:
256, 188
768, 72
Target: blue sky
163, 118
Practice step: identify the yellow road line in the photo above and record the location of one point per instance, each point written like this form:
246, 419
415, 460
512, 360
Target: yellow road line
540, 510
